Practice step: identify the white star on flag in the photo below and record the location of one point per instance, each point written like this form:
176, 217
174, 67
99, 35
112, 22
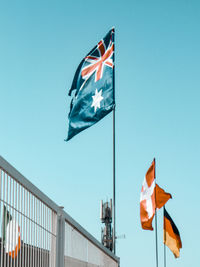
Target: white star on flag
97, 98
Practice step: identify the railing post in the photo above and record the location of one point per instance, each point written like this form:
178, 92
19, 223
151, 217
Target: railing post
53, 239
60, 242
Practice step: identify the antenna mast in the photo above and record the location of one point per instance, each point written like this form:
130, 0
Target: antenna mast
107, 231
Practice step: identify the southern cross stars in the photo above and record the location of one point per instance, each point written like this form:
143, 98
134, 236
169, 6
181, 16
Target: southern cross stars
97, 98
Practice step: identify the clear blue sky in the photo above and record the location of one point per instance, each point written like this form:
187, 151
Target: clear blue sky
157, 113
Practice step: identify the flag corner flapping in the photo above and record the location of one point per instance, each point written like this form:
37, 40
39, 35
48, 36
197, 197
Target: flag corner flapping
161, 197
93, 87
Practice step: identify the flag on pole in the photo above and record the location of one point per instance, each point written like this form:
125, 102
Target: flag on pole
152, 196
172, 237
93, 87
11, 234
147, 199
6, 218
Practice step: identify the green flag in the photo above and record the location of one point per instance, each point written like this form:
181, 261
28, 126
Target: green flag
6, 218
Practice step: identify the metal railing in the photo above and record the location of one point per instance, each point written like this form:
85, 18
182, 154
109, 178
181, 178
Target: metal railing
36, 232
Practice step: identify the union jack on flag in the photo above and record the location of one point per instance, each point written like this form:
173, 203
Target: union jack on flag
93, 87
97, 63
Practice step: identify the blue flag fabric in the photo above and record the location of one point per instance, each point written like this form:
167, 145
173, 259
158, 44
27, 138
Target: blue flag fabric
93, 87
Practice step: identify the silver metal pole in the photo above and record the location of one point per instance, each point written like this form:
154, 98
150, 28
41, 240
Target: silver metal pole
114, 178
18, 219
31, 230
27, 232
45, 239
25, 229
4, 223
22, 229
156, 218
7, 219
34, 237
16, 223
13, 218
165, 262
40, 231
114, 223
43, 234
1, 202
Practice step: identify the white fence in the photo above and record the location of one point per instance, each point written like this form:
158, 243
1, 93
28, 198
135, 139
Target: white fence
35, 232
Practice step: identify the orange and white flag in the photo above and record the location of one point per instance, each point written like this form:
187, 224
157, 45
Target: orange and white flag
147, 199
152, 196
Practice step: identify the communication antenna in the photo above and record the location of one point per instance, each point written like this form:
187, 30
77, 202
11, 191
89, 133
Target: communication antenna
106, 218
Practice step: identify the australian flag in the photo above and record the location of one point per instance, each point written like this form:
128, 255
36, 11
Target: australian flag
92, 87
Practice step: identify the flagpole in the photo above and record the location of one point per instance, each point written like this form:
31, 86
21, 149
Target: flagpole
156, 235
165, 263
114, 222
114, 238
